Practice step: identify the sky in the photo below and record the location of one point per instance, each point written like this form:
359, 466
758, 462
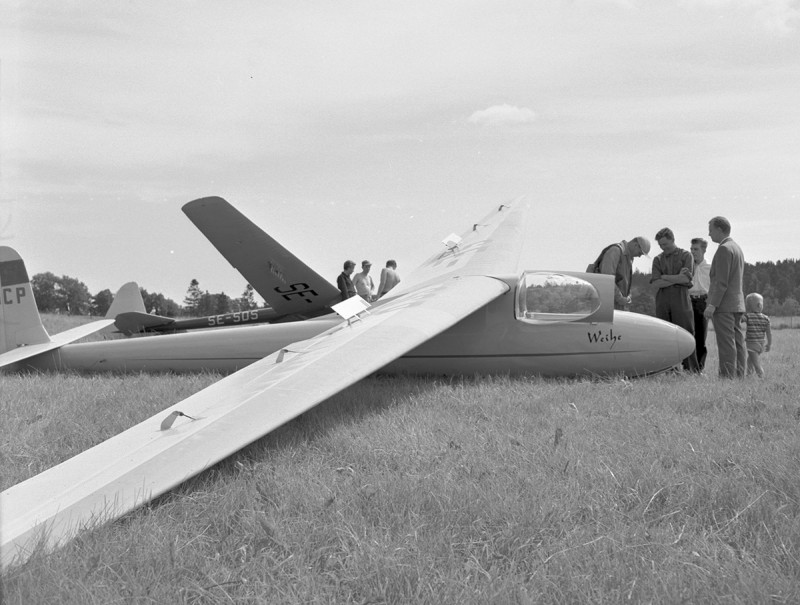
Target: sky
372, 130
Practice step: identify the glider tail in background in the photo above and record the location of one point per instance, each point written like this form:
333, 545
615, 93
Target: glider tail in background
20, 323
128, 299
129, 313
285, 282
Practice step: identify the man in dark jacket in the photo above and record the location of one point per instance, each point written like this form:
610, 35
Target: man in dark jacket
617, 260
344, 282
672, 275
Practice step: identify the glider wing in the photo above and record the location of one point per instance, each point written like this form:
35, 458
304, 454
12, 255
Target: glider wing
143, 462
154, 456
287, 284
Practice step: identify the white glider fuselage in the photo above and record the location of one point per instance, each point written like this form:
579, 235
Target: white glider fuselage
493, 341
490, 340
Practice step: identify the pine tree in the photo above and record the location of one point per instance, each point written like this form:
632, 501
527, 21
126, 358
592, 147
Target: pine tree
193, 298
247, 300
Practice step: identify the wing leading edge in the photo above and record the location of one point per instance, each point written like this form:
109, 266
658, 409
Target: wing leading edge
143, 462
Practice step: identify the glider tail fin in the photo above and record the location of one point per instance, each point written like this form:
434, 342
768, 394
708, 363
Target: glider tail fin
20, 322
127, 299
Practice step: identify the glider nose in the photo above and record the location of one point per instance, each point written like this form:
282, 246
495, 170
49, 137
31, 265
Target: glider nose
685, 342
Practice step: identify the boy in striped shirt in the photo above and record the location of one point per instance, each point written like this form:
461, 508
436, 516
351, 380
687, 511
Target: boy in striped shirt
759, 335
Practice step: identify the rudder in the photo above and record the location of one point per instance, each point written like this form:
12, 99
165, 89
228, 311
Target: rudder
127, 299
20, 322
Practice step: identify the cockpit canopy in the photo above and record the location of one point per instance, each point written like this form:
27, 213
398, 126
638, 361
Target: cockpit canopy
544, 296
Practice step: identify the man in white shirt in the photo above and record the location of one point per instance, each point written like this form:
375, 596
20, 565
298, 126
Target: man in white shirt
363, 282
698, 294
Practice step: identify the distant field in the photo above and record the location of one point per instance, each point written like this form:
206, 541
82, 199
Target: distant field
673, 489
784, 322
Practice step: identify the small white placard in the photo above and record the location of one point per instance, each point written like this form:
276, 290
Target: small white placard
350, 308
451, 241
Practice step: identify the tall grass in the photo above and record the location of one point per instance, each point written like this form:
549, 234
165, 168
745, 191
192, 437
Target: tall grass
486, 490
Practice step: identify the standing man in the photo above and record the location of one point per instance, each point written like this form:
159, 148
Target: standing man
725, 302
698, 294
344, 282
389, 278
672, 271
617, 260
363, 282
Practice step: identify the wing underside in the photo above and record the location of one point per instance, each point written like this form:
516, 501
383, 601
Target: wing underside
284, 281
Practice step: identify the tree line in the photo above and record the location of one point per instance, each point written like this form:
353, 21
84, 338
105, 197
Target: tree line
778, 282
70, 296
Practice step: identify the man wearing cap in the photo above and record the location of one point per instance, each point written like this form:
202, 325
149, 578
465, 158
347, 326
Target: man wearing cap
617, 260
363, 282
672, 275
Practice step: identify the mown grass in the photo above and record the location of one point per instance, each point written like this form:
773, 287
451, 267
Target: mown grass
487, 490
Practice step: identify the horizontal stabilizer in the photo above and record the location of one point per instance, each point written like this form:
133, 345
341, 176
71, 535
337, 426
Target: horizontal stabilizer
59, 340
134, 322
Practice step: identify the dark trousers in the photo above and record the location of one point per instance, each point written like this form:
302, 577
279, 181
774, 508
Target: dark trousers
673, 305
700, 330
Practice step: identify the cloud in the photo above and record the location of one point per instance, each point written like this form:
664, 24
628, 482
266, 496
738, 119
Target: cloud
778, 16
498, 115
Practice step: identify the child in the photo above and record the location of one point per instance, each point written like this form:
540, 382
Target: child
758, 331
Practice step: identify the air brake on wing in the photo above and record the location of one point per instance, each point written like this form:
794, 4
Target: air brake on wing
167, 422
286, 350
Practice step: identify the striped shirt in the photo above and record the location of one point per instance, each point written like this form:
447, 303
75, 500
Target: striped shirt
757, 324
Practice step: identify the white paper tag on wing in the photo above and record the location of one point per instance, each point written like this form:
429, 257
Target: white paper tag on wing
451, 241
351, 307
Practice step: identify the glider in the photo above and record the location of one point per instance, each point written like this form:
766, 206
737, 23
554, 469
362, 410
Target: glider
466, 309
139, 322
292, 289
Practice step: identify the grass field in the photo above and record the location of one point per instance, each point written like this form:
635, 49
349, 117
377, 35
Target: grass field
673, 489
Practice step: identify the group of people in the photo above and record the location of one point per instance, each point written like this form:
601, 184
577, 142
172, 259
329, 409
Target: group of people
690, 292
361, 284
